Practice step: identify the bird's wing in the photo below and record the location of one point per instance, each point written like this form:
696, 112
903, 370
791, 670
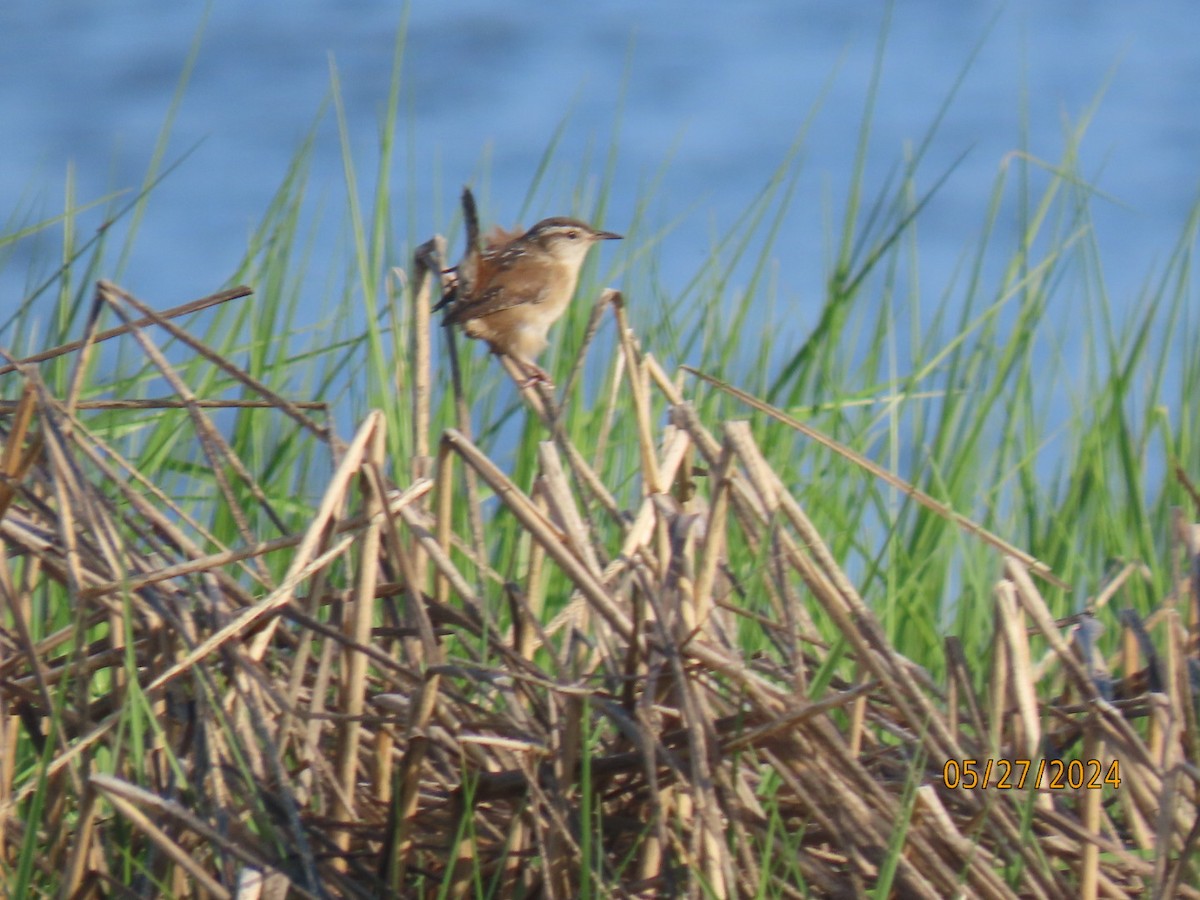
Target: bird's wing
493, 301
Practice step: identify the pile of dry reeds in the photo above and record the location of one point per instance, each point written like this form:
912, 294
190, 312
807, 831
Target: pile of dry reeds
392, 717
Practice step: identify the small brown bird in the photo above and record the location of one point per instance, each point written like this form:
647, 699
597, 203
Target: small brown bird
511, 291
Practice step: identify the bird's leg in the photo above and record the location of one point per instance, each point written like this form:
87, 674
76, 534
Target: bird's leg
534, 372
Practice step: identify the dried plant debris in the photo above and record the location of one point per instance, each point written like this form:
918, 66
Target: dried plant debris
360, 706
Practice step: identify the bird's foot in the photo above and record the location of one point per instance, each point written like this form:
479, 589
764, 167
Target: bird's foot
536, 375
450, 283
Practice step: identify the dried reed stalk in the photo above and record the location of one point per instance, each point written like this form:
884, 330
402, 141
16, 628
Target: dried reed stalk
391, 717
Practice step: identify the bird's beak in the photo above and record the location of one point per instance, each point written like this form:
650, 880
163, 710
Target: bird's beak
608, 236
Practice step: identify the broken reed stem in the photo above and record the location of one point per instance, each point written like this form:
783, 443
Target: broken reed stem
540, 398
8, 406
540, 530
463, 416
937, 506
235, 293
112, 294
428, 266
357, 619
651, 482
428, 263
220, 454
17, 459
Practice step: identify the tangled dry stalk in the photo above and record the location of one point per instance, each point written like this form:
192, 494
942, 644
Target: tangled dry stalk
374, 721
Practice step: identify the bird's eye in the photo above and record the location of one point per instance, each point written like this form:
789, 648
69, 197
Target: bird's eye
572, 234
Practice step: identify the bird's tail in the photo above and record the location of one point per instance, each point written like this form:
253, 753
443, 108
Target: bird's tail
463, 275
467, 268
471, 219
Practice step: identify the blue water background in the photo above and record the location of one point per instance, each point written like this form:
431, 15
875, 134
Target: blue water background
705, 99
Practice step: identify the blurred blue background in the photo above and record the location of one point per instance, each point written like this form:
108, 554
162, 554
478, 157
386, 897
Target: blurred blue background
705, 99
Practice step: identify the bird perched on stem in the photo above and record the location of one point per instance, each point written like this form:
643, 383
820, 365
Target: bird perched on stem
512, 290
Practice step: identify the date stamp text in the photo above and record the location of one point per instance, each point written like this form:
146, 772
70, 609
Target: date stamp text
1010, 774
